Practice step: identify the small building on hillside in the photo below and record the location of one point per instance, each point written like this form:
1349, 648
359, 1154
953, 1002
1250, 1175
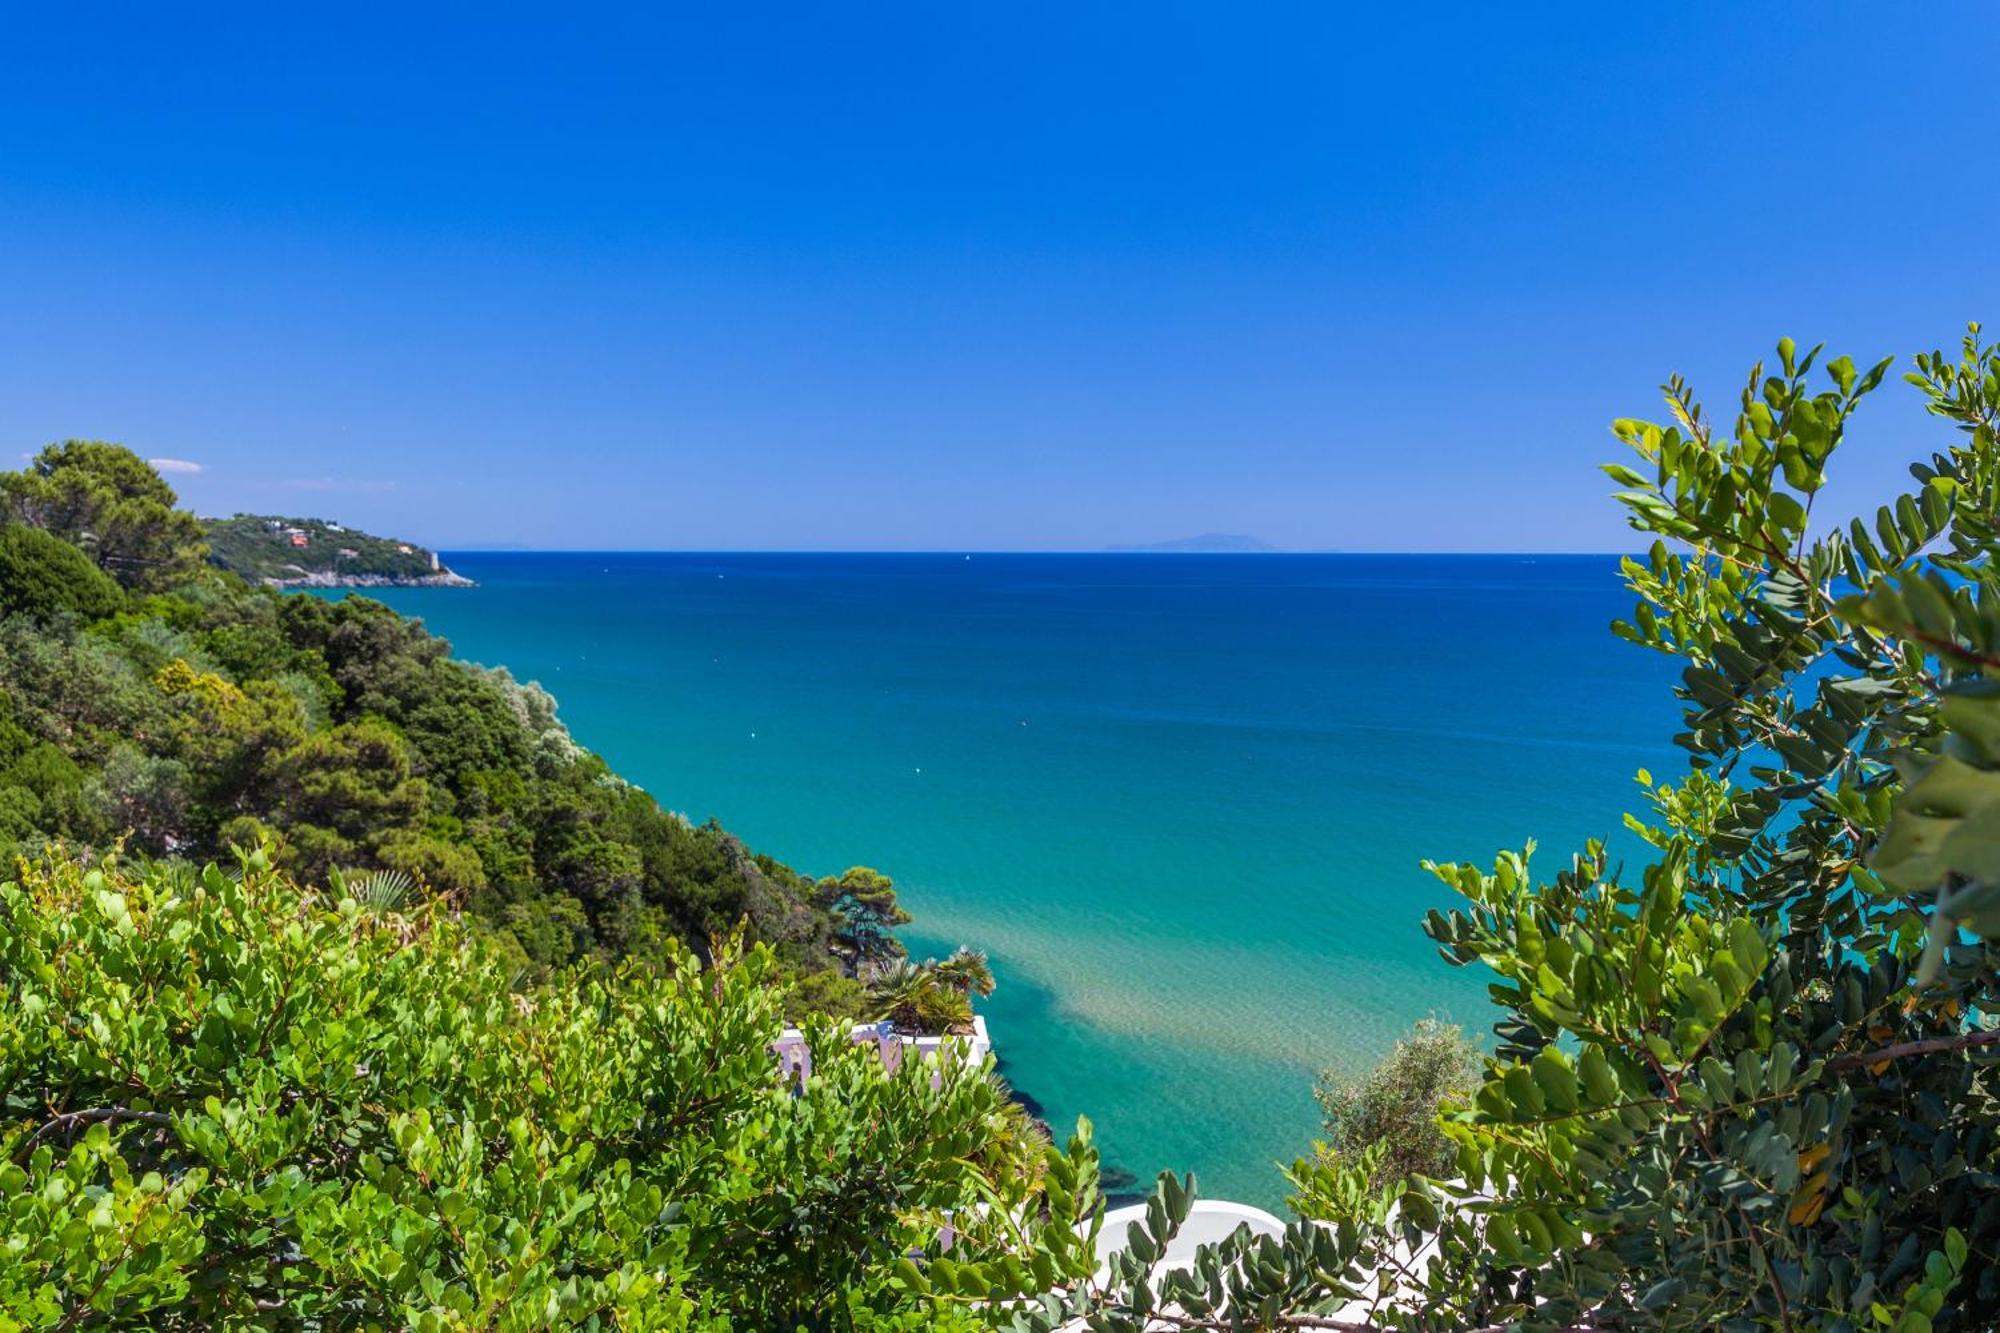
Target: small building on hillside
795, 1057
296, 538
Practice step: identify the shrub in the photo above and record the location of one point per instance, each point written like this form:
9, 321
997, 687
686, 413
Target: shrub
225, 1100
42, 575
1394, 1107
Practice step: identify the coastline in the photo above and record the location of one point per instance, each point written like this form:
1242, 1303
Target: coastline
1180, 987
444, 579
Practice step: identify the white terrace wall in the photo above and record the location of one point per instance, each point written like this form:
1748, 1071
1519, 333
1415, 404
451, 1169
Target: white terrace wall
795, 1057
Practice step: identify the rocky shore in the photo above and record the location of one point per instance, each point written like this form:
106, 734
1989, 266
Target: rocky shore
328, 579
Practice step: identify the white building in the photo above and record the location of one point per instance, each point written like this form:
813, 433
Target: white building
795, 1056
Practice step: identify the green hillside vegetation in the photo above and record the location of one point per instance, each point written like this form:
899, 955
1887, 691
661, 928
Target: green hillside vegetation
267, 548
226, 1102
151, 700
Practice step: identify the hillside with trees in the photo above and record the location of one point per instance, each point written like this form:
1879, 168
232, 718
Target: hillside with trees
311, 552
153, 701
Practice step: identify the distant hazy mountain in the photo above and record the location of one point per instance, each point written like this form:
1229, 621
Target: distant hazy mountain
1209, 543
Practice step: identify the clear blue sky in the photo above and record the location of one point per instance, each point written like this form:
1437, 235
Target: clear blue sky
1012, 276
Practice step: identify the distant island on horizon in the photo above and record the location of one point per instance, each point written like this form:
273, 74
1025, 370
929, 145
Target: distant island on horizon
1208, 543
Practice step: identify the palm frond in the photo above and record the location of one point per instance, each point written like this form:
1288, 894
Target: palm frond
381, 891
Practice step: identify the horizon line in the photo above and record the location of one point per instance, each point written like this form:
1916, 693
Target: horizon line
971, 551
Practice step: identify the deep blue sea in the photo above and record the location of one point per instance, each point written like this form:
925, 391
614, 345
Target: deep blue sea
1181, 800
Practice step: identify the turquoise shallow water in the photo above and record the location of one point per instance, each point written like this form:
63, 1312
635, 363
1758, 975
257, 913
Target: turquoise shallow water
1181, 800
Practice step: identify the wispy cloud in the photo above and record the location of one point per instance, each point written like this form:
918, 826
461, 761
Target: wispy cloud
174, 465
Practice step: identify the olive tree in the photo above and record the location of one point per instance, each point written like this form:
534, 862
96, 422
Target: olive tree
1392, 1109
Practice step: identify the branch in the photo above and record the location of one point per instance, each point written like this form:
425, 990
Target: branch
1928, 1046
1218, 1323
70, 1119
1945, 646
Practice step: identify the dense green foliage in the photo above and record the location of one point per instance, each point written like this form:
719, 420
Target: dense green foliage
930, 996
1391, 1111
108, 502
225, 1102
41, 575
261, 548
206, 712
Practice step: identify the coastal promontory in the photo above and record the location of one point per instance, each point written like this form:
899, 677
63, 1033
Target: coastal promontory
315, 553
